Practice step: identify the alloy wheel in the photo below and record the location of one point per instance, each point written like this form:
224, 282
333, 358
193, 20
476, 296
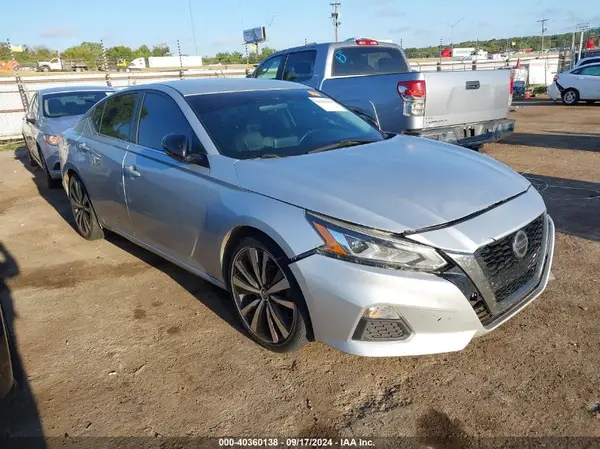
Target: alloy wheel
262, 294
82, 208
570, 97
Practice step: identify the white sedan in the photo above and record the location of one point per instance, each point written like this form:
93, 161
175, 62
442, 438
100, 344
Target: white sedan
578, 84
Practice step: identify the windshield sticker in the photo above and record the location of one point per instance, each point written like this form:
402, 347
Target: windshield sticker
328, 105
340, 57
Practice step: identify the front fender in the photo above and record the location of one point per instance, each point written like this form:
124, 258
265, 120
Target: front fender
232, 209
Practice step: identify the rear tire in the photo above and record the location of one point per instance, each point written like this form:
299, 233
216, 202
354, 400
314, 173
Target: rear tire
570, 97
86, 221
45, 69
266, 296
51, 183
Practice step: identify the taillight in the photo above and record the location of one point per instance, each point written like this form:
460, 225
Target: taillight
366, 42
412, 89
555, 79
512, 85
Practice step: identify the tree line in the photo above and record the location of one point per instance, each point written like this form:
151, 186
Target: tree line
91, 52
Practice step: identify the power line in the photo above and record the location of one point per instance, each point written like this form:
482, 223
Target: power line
193, 27
335, 16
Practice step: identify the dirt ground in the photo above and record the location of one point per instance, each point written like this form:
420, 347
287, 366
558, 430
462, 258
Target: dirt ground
115, 341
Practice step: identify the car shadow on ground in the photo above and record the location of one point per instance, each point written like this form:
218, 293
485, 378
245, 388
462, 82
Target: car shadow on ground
573, 205
216, 299
561, 141
19, 415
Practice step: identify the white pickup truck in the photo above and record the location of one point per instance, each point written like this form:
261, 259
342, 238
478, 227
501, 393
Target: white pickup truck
59, 65
468, 108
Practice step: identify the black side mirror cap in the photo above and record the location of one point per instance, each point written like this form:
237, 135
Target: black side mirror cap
30, 117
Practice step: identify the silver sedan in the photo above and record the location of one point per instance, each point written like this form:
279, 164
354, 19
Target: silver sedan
318, 224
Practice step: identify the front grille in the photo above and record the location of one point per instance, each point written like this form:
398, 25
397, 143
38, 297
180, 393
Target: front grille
506, 273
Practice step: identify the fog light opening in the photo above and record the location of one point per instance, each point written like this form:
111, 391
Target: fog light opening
381, 322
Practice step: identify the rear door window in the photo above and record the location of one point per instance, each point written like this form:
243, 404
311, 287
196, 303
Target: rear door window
300, 66
365, 60
590, 70
117, 119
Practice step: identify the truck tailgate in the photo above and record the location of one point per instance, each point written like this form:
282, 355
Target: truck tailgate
466, 97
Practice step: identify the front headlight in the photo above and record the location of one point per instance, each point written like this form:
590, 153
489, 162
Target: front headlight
372, 247
52, 140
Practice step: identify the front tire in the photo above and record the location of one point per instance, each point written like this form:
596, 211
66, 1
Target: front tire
266, 296
570, 97
85, 218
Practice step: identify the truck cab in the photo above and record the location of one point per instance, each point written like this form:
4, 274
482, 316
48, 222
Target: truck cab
374, 78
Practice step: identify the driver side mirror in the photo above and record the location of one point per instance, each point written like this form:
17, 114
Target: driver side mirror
178, 147
30, 117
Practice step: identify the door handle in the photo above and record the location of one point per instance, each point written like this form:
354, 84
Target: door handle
83, 147
131, 171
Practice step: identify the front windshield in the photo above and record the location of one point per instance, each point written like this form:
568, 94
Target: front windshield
273, 123
71, 103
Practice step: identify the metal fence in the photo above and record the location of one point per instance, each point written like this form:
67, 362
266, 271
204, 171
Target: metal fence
13, 104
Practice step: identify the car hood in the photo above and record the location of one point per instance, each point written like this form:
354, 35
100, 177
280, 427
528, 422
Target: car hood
401, 184
58, 125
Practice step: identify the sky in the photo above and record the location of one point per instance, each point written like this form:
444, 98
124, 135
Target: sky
218, 24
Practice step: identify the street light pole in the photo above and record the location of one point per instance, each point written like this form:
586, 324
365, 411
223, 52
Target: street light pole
452, 25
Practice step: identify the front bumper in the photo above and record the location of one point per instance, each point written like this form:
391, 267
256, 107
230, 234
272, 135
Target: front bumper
50, 154
471, 134
436, 310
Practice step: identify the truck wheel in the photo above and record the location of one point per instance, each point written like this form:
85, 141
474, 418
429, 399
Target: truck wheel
77, 69
45, 69
570, 97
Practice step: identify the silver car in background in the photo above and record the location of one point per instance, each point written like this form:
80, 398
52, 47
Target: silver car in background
51, 112
318, 224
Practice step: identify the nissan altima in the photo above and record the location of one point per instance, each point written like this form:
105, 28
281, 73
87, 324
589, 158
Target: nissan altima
320, 226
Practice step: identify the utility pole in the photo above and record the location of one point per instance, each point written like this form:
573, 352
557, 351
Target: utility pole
544, 29
335, 17
452, 25
583, 27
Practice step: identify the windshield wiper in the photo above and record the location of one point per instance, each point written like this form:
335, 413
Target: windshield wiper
341, 144
269, 156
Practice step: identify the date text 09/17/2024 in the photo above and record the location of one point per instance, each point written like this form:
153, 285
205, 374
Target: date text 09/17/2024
295, 442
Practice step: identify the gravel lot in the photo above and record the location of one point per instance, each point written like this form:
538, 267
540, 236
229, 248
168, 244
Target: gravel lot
116, 341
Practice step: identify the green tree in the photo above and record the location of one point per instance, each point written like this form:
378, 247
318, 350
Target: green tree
90, 52
161, 50
142, 52
119, 52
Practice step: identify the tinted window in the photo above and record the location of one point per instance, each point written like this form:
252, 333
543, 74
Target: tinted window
299, 66
72, 103
591, 70
118, 116
279, 122
362, 60
269, 68
160, 116
97, 116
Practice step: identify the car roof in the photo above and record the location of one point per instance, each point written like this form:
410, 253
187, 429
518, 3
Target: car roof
59, 89
222, 85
